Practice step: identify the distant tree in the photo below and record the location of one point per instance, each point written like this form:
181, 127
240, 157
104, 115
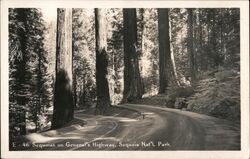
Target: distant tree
132, 79
63, 96
77, 37
200, 41
115, 52
50, 47
148, 50
84, 85
167, 69
40, 98
190, 46
231, 37
140, 40
141, 30
103, 96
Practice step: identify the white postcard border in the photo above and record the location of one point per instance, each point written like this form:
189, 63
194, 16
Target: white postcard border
244, 35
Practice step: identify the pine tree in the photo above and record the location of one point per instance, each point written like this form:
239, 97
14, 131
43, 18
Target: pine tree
40, 99
28, 69
19, 73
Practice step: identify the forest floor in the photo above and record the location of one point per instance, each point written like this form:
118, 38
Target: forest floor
148, 128
217, 94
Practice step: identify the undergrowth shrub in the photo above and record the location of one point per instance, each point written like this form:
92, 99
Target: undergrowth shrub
218, 95
177, 94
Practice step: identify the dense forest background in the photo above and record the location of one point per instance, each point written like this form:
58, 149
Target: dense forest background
96, 58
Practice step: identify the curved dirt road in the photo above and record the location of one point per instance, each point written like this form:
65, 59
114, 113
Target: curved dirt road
156, 129
185, 130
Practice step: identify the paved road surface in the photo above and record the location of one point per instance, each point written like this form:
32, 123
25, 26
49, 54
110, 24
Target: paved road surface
156, 129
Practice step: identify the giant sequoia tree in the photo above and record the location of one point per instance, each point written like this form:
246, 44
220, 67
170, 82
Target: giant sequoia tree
103, 97
167, 70
63, 96
132, 79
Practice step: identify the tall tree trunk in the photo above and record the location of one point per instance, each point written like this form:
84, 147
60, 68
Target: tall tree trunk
201, 52
190, 48
195, 38
132, 80
214, 52
140, 42
103, 96
74, 89
171, 65
166, 58
141, 31
181, 41
63, 96
74, 54
114, 77
222, 44
208, 50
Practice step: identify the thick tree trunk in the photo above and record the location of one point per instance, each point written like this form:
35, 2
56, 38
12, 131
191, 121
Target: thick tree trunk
132, 80
190, 48
103, 96
167, 70
63, 96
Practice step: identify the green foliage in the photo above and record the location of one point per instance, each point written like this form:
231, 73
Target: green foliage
178, 21
40, 99
84, 86
218, 95
148, 49
215, 39
28, 68
115, 53
177, 93
181, 92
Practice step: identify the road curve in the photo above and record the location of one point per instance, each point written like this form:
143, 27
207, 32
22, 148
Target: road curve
156, 129
185, 130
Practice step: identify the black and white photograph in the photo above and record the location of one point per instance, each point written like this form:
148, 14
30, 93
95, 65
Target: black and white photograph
138, 79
